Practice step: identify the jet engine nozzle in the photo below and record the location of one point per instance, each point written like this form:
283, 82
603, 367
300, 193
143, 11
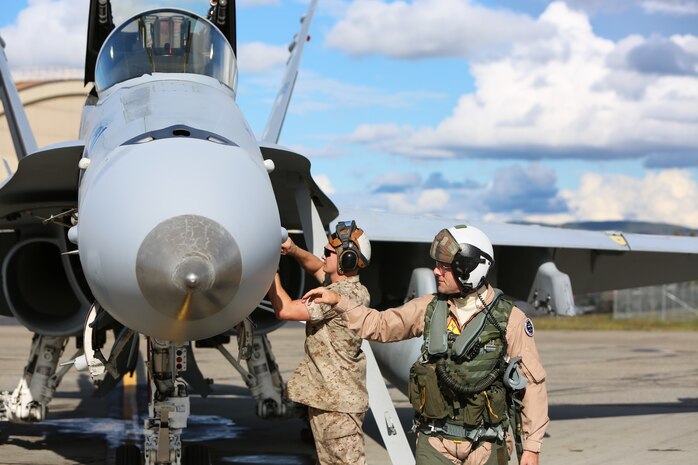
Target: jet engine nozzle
188, 267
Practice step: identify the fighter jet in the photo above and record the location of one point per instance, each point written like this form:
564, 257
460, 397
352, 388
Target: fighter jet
164, 220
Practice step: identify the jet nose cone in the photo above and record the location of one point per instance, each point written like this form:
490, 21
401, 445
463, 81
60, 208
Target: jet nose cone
188, 267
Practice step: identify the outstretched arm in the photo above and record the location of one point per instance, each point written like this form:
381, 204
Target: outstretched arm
393, 324
310, 263
284, 307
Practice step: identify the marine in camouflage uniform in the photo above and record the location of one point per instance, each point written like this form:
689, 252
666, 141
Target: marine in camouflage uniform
331, 378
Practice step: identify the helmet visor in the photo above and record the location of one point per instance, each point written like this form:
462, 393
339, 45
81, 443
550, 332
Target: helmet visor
444, 247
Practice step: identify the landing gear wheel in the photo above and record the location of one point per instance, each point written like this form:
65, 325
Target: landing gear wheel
128, 454
196, 454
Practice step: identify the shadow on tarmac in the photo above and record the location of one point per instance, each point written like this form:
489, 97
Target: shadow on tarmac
574, 412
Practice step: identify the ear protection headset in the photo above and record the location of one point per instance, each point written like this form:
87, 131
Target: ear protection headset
345, 242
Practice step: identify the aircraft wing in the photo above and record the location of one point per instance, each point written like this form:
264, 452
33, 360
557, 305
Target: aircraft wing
412, 228
595, 261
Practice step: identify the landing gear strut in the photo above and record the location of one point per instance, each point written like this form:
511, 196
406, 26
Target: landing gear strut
28, 403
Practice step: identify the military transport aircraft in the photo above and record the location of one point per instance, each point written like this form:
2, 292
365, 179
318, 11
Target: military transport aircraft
165, 218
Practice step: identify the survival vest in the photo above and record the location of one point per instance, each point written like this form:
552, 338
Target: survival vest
456, 387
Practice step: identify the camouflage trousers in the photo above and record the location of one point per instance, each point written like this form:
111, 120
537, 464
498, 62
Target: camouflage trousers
435, 450
339, 437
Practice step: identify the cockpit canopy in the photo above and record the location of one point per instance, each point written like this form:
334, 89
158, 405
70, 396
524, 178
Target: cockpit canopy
165, 41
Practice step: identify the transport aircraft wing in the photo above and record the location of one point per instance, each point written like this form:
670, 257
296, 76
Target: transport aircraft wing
541, 260
541, 267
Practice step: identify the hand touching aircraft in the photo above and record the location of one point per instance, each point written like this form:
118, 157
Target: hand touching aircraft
165, 218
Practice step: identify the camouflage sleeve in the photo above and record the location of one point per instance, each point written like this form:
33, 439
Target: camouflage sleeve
351, 290
319, 312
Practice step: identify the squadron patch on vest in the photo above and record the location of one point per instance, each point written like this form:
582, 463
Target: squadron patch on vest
453, 326
528, 327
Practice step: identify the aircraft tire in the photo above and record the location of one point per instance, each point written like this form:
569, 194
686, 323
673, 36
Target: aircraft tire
196, 454
128, 454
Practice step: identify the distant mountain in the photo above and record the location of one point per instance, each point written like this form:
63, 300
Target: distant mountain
637, 227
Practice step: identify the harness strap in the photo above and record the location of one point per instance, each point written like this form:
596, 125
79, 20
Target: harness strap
438, 345
480, 433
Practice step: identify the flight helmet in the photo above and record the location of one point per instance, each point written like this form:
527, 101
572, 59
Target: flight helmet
468, 251
352, 246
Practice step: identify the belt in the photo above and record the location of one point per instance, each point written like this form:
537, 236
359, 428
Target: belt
479, 433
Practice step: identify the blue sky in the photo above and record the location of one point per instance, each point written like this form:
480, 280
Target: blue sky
494, 110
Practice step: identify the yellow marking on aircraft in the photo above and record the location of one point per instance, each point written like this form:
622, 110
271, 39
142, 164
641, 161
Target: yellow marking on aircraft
184, 309
130, 404
618, 239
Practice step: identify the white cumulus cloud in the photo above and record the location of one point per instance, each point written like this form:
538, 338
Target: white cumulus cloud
571, 95
258, 57
61, 27
428, 27
428, 201
669, 196
673, 7
324, 182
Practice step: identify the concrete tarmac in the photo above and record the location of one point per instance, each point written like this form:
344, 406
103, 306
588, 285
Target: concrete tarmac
615, 398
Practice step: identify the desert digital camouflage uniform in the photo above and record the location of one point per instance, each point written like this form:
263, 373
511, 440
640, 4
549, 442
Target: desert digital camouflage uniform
331, 380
